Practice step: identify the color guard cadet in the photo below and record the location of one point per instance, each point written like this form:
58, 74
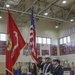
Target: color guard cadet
47, 68
40, 65
57, 69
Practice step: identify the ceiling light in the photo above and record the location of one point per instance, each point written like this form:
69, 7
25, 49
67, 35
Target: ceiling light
7, 5
56, 26
45, 13
64, 1
0, 17
71, 20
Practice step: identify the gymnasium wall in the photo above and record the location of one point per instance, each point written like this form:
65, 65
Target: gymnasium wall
64, 26
44, 28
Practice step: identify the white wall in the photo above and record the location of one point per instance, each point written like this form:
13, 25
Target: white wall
70, 57
44, 28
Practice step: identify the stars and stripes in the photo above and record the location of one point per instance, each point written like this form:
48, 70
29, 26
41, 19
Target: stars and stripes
33, 39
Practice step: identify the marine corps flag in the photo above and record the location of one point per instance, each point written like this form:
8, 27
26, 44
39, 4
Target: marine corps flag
14, 46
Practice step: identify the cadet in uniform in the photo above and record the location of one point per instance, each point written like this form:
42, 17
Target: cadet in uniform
47, 66
57, 69
40, 64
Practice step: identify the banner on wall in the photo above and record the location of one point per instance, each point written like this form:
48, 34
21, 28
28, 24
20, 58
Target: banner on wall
38, 49
2, 47
69, 30
45, 49
68, 48
53, 50
27, 49
45, 52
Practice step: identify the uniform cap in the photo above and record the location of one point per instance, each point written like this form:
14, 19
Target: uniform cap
56, 59
47, 56
40, 57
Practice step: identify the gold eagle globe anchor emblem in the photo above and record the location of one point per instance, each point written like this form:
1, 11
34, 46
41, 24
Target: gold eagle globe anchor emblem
9, 43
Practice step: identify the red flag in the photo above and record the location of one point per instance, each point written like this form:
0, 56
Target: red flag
33, 39
15, 44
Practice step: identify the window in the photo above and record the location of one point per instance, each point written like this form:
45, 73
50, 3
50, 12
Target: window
48, 41
65, 40
68, 38
3, 37
61, 41
39, 40
44, 41
36, 40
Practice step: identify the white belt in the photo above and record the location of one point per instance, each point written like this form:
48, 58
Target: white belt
28, 73
47, 73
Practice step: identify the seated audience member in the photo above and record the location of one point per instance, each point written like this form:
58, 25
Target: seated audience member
33, 69
15, 69
24, 69
19, 68
73, 69
67, 63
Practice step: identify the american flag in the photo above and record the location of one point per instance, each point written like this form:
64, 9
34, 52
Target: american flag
33, 48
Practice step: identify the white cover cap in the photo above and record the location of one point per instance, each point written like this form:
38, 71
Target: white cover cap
47, 56
55, 59
40, 57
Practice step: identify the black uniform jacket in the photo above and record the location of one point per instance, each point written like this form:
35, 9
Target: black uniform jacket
58, 70
40, 65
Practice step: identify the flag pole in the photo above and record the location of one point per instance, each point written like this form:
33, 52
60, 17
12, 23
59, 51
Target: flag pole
29, 44
33, 59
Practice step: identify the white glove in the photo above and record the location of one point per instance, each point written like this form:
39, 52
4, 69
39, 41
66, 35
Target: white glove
29, 73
